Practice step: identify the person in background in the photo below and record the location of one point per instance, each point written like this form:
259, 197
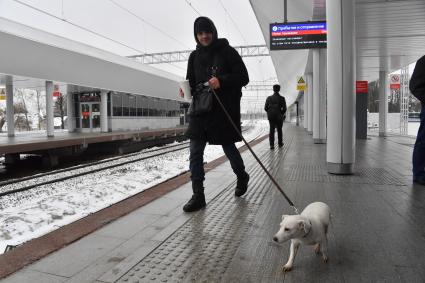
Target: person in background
417, 87
216, 62
276, 109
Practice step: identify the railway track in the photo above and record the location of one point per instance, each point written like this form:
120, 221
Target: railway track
27, 183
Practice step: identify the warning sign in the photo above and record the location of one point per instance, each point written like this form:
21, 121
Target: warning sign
2, 94
301, 85
395, 81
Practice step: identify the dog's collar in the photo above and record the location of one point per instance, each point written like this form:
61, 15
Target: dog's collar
306, 234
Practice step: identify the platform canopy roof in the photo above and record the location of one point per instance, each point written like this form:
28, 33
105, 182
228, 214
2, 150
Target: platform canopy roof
33, 56
390, 34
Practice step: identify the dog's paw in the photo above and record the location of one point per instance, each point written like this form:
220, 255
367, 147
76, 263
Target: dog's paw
287, 268
317, 248
325, 259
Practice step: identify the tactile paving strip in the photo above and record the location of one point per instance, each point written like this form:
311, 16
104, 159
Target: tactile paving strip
201, 250
319, 173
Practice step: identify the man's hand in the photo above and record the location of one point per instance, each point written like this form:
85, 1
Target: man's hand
214, 83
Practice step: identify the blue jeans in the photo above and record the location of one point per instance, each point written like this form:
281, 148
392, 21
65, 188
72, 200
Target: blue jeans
418, 159
196, 159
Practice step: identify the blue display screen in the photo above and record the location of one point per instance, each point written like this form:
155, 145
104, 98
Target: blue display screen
300, 35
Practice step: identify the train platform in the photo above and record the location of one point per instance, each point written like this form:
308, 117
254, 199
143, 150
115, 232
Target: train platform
37, 141
376, 235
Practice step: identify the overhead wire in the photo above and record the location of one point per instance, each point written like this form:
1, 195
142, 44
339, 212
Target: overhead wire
193, 8
84, 28
148, 23
77, 25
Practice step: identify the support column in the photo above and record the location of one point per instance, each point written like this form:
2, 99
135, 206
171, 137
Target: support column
309, 78
316, 96
383, 103
70, 112
305, 109
10, 111
340, 149
49, 108
323, 90
103, 112
297, 113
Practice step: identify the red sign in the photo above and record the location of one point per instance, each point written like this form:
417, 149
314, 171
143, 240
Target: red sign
361, 87
56, 94
395, 81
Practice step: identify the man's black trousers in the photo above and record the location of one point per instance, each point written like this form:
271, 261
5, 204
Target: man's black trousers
276, 124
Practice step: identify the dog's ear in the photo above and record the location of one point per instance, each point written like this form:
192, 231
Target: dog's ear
283, 216
302, 226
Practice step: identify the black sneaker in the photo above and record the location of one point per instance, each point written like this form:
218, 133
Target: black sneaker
281, 145
272, 147
197, 202
242, 185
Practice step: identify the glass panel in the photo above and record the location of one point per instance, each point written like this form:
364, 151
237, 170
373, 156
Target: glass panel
85, 116
132, 105
145, 106
125, 105
139, 105
117, 104
95, 112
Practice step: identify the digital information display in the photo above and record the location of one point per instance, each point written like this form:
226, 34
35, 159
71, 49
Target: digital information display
301, 35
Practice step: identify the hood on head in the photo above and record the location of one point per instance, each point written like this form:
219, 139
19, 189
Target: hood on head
204, 24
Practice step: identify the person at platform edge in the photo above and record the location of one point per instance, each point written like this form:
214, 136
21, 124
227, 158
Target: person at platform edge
216, 62
276, 108
417, 87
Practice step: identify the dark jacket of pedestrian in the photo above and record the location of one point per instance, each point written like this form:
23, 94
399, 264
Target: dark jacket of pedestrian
275, 107
417, 81
219, 57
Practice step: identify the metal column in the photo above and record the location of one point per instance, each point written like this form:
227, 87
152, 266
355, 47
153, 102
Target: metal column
103, 112
49, 108
70, 112
305, 109
10, 111
319, 96
404, 101
323, 89
309, 78
383, 103
340, 148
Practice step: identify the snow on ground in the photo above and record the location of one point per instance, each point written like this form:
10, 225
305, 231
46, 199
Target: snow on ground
36, 212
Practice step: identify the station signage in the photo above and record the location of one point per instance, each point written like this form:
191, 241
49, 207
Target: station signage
395, 81
89, 97
301, 85
362, 87
298, 35
2, 94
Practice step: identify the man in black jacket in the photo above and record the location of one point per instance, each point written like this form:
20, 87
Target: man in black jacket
276, 109
216, 62
417, 87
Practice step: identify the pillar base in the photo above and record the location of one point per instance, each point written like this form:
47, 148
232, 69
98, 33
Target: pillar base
382, 134
319, 141
341, 168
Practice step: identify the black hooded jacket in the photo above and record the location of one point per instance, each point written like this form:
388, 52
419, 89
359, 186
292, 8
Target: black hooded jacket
230, 70
275, 107
417, 81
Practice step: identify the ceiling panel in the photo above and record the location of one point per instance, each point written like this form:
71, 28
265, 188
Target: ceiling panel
390, 34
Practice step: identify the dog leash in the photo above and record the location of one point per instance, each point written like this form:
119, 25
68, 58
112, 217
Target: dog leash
252, 152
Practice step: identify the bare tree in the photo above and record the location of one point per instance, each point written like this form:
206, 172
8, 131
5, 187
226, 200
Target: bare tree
24, 110
38, 109
60, 109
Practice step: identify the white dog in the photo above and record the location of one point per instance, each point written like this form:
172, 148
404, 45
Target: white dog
309, 228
